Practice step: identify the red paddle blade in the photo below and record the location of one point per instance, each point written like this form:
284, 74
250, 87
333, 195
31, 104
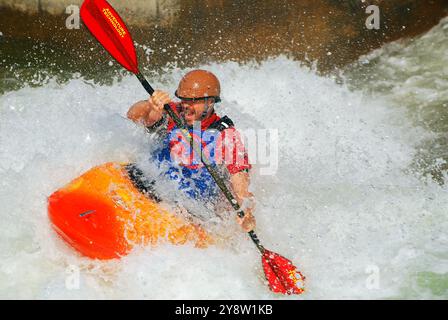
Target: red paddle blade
109, 29
283, 277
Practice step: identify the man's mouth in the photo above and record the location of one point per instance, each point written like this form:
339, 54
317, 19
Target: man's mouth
188, 113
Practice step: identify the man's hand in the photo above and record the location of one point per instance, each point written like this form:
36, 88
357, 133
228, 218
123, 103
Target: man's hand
149, 111
157, 101
248, 221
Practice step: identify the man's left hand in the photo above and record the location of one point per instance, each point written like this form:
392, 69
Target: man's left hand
247, 222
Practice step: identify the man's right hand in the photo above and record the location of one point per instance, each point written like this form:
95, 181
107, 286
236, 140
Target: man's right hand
149, 111
157, 101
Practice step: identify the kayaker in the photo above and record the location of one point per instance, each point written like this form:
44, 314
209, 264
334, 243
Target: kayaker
198, 91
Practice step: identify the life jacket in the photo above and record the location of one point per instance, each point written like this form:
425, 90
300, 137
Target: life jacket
191, 175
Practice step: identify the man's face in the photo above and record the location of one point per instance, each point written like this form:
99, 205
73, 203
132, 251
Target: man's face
193, 110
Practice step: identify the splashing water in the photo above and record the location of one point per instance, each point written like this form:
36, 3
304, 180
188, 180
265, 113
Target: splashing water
346, 205
414, 73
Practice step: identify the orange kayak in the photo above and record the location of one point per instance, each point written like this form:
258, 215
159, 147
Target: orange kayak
103, 216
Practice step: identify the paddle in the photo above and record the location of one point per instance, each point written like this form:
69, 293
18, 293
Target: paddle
109, 29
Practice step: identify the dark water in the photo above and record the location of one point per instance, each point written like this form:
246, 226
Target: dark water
35, 47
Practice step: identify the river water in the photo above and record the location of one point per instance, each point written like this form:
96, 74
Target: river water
358, 202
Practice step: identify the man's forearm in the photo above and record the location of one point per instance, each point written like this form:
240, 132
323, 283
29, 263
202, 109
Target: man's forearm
153, 118
240, 185
142, 114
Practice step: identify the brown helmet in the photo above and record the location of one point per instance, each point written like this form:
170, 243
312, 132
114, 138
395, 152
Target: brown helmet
198, 85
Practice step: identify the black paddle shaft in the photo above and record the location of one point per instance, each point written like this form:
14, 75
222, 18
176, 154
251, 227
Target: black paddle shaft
219, 181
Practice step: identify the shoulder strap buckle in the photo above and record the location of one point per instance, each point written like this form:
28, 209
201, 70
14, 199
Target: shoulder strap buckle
222, 124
